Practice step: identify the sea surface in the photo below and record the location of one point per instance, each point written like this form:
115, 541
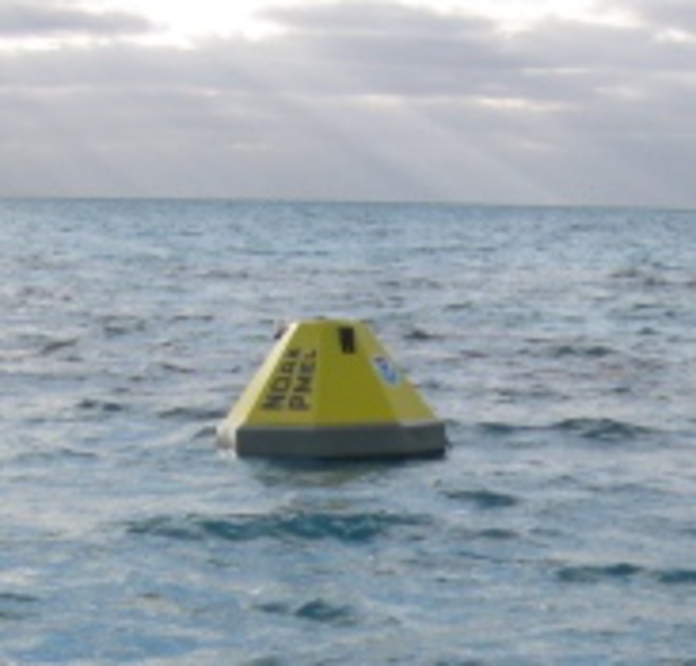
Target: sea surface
558, 344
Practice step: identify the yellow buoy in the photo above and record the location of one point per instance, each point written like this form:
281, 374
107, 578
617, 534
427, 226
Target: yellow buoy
328, 389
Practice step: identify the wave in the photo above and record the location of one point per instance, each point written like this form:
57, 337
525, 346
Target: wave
56, 455
603, 429
176, 368
420, 334
588, 428
101, 406
678, 577
580, 351
346, 528
623, 571
53, 346
192, 413
315, 610
16, 606
597, 573
206, 433
114, 326
656, 277
498, 428
497, 534
194, 316
483, 499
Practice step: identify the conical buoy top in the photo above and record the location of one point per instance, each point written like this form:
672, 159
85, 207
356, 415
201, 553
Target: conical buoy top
328, 389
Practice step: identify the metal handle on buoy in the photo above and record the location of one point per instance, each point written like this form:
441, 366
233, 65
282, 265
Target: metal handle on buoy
346, 337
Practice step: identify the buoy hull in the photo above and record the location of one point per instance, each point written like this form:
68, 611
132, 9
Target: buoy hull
345, 442
329, 389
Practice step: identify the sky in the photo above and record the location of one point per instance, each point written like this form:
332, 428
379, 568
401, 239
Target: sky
570, 102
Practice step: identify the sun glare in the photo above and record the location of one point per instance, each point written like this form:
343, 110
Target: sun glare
183, 20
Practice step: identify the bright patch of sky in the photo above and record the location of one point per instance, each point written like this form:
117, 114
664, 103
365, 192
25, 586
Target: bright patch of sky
183, 20
517, 15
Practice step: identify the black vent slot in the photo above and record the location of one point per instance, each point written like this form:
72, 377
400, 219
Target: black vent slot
346, 338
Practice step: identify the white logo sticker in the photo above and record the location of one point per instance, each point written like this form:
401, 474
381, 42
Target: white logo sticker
386, 369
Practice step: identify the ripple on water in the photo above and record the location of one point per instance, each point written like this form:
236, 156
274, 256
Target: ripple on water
623, 571
115, 326
343, 527
597, 573
677, 577
585, 428
601, 429
500, 429
580, 351
315, 610
101, 407
54, 345
16, 606
420, 335
483, 499
191, 413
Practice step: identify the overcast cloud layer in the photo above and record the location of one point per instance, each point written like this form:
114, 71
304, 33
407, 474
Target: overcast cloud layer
352, 100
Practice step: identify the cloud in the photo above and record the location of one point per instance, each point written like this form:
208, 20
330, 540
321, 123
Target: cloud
358, 100
666, 14
36, 20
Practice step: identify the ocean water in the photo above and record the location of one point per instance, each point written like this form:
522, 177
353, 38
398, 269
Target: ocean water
558, 344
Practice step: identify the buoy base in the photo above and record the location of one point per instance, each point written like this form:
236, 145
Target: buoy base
345, 442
